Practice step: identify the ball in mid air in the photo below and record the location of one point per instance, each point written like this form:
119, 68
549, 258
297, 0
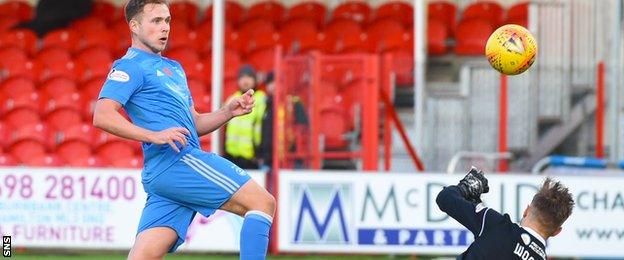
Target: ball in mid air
511, 49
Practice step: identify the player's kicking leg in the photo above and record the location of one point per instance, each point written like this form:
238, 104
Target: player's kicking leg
202, 182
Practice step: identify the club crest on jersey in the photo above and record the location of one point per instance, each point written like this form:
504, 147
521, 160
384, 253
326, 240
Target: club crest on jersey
526, 239
118, 75
167, 71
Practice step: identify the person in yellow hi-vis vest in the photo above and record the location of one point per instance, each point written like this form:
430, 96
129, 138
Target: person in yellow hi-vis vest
243, 134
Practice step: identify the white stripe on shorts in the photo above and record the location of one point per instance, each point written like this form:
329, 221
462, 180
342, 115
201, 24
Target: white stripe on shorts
209, 177
208, 168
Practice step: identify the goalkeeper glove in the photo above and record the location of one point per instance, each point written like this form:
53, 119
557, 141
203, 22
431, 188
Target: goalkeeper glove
473, 185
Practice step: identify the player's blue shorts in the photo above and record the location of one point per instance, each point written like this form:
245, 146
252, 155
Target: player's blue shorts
199, 182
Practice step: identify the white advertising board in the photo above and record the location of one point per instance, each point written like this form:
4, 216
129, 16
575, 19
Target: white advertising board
396, 213
93, 209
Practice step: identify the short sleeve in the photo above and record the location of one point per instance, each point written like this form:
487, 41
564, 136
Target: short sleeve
124, 79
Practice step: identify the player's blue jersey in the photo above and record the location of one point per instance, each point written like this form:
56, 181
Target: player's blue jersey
154, 92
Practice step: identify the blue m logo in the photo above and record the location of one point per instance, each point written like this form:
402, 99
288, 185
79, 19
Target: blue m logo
313, 227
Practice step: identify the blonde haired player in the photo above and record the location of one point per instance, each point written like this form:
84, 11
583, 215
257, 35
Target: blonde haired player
496, 236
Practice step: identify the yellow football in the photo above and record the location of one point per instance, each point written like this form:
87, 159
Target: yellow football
511, 49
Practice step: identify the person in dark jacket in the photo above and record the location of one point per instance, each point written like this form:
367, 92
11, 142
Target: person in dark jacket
496, 236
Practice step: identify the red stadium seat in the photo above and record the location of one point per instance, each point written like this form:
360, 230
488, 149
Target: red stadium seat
7, 160
18, 9
333, 128
130, 162
16, 68
89, 24
234, 41
63, 117
445, 12
437, 34
202, 103
485, 10
96, 63
21, 38
472, 36
115, 150
383, 35
234, 12
54, 55
21, 116
28, 100
267, 10
186, 11
354, 10
197, 71
62, 38
204, 142
5, 132
89, 92
261, 41
83, 132
104, 38
68, 69
71, 100
45, 160
310, 11
400, 11
13, 54
518, 11
255, 27
29, 141
197, 87
106, 11
90, 161
185, 56
518, 14
182, 39
293, 33
73, 149
15, 86
403, 66
95, 56
58, 86
262, 60
6, 23
342, 36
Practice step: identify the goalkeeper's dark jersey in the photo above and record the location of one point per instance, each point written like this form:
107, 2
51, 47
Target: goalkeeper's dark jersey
496, 236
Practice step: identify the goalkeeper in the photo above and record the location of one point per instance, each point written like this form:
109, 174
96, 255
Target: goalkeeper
496, 236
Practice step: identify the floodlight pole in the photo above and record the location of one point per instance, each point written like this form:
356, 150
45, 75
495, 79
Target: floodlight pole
420, 62
218, 18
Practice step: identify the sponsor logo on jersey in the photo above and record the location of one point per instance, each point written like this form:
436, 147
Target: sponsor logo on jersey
537, 249
118, 75
159, 73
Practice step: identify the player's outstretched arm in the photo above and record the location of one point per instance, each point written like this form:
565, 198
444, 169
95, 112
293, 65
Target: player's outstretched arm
461, 201
208, 122
107, 117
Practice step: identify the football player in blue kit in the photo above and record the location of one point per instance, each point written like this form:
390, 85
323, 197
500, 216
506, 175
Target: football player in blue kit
496, 236
179, 178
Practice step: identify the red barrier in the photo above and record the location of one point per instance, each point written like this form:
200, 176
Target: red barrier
502, 123
600, 104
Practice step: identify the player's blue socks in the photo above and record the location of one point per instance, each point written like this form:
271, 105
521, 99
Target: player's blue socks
254, 237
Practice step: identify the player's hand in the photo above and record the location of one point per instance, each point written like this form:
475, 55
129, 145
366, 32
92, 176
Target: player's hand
170, 136
242, 105
473, 185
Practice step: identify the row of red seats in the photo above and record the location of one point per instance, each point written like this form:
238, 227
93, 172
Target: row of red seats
77, 145
255, 29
